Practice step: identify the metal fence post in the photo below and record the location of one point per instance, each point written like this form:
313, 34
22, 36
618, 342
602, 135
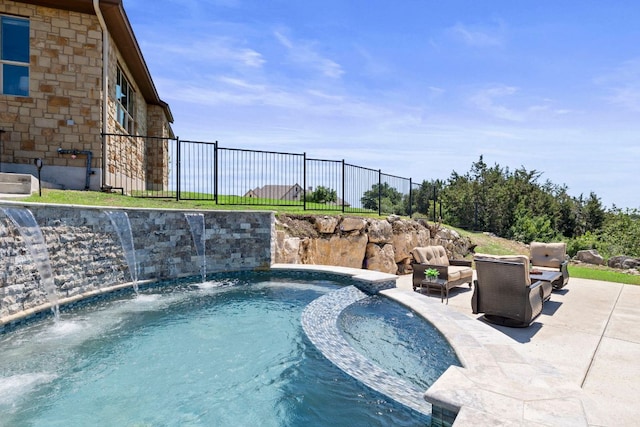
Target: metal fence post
215, 172
178, 169
304, 181
434, 203
410, 198
344, 196
379, 192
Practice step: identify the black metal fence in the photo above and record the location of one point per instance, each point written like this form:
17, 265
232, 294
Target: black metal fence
190, 170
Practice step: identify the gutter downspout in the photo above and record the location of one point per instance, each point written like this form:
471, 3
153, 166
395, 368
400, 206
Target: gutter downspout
105, 87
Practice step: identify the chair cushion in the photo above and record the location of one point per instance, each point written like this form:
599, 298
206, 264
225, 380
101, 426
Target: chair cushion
521, 259
434, 255
463, 272
548, 254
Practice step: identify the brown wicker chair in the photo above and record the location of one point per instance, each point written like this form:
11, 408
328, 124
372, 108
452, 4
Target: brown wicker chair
552, 257
504, 292
455, 272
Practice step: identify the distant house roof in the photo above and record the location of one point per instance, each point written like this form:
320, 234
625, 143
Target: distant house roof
122, 34
278, 192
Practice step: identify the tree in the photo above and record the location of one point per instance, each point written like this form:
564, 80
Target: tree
593, 213
390, 198
322, 195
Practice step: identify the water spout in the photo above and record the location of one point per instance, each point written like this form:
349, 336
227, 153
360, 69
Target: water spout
196, 224
28, 228
120, 221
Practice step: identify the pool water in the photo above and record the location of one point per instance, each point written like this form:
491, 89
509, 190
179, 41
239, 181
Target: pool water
396, 339
225, 353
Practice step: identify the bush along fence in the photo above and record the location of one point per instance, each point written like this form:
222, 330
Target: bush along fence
154, 167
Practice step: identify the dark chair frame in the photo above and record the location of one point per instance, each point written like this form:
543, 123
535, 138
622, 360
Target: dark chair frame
501, 292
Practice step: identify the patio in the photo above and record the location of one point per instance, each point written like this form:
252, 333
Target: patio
577, 364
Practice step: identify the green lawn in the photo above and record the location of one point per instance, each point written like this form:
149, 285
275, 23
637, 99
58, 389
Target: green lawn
96, 198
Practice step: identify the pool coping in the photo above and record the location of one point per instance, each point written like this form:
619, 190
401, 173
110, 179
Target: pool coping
498, 383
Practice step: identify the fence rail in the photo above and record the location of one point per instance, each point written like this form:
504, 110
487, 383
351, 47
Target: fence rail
192, 170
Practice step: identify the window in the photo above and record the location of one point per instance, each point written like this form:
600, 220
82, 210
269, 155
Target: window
14, 56
124, 102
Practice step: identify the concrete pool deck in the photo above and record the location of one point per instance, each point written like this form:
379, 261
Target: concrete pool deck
577, 364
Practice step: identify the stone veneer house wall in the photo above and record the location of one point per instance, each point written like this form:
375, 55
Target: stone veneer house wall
52, 95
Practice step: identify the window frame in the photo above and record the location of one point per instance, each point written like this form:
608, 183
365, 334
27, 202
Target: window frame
6, 63
125, 97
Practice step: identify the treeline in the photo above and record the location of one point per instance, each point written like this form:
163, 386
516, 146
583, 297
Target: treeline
516, 205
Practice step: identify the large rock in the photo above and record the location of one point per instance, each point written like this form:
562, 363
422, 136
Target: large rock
352, 224
290, 251
345, 251
590, 256
326, 224
379, 231
624, 262
381, 258
407, 235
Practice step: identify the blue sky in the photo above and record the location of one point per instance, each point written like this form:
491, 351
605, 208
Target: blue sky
417, 88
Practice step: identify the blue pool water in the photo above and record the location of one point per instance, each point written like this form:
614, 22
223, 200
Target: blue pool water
226, 353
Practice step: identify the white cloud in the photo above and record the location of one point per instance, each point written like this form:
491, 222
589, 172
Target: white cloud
304, 53
623, 85
485, 100
477, 37
218, 50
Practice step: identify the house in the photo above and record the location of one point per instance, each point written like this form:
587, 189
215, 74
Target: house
71, 73
286, 192
277, 192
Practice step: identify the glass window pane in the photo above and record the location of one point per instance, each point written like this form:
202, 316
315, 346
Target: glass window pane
15, 80
15, 39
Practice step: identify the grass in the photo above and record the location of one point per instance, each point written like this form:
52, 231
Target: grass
95, 198
486, 243
493, 245
603, 273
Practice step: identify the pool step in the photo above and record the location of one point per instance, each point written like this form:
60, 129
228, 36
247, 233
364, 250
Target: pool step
17, 183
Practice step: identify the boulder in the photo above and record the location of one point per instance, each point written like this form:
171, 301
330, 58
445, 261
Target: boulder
344, 251
379, 231
624, 262
326, 224
352, 224
381, 258
590, 256
289, 252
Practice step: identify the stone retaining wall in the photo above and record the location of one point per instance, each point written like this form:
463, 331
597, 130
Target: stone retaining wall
86, 254
375, 244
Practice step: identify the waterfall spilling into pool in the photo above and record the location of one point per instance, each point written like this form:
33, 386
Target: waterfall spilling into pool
28, 228
196, 225
120, 221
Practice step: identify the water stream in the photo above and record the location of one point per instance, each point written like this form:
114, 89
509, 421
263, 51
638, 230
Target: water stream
30, 231
120, 221
196, 224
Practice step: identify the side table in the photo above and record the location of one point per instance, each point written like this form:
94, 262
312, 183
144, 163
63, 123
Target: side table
436, 283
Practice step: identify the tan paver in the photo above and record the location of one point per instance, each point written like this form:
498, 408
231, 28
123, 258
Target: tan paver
588, 337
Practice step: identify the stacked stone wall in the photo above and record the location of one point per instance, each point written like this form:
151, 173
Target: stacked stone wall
86, 255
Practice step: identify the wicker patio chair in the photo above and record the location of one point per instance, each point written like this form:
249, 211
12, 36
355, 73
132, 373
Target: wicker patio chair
504, 293
552, 257
455, 272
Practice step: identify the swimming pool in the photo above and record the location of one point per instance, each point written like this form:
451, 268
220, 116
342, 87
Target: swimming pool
226, 352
